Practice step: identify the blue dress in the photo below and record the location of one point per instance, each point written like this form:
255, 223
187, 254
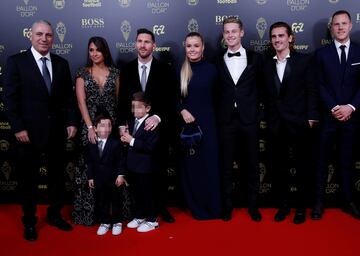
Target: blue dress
200, 171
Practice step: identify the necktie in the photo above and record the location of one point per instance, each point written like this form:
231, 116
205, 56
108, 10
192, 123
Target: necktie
100, 146
229, 54
136, 126
343, 59
46, 74
143, 78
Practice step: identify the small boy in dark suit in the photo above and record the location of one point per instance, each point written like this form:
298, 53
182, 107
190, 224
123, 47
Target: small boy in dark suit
105, 175
139, 162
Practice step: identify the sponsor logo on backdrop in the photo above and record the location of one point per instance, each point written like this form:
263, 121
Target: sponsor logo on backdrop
357, 185
26, 10
7, 184
158, 6
91, 3
298, 5
357, 165
4, 145
220, 18
59, 4
260, 45
159, 30
4, 126
193, 25
2, 108
0, 75
70, 170
263, 125
92, 23
227, 1
331, 187
292, 171
358, 18
262, 145
334, 1
2, 48
263, 172
297, 27
61, 48
125, 47
70, 146
124, 3
264, 186
192, 2
27, 32
261, 2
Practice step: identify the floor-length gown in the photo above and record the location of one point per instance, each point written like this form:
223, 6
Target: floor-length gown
200, 171
98, 98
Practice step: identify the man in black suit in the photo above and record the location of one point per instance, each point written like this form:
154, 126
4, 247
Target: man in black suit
238, 111
338, 69
156, 79
39, 102
291, 109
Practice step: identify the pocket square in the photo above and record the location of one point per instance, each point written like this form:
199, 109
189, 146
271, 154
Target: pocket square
356, 63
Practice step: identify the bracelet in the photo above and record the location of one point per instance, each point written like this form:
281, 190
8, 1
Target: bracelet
90, 127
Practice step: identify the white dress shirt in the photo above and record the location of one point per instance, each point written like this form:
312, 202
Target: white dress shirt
141, 120
38, 56
236, 64
280, 66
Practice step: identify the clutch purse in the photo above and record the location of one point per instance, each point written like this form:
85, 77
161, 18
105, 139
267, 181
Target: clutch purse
191, 136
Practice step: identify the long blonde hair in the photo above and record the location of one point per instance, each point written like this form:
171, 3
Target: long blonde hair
186, 72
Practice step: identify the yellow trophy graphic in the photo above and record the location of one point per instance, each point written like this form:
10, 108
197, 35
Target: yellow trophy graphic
6, 170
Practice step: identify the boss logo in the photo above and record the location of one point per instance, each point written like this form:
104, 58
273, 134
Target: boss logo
159, 29
92, 22
297, 27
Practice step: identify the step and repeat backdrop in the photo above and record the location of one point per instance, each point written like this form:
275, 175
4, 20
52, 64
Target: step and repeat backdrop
75, 21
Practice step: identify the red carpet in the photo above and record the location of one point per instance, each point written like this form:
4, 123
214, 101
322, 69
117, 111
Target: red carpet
337, 234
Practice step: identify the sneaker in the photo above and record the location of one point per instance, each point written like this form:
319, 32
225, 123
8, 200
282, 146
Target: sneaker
103, 229
116, 229
135, 223
147, 226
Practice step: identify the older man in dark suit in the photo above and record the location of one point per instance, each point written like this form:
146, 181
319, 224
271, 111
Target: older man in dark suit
338, 68
39, 102
239, 72
157, 80
291, 109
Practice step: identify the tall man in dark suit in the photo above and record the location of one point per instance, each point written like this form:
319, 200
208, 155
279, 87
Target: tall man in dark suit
291, 109
338, 68
239, 71
156, 79
40, 104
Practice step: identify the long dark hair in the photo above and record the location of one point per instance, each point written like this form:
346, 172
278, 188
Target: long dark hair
102, 46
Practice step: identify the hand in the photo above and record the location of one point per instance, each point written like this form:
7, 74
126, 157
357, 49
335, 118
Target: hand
92, 135
119, 180
312, 123
187, 116
123, 129
91, 183
151, 123
71, 131
22, 136
342, 113
126, 138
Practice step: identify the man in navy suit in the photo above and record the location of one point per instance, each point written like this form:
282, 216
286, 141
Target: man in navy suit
239, 116
291, 109
339, 80
156, 79
40, 105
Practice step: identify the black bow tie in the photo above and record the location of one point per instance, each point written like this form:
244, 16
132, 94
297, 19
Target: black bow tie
229, 54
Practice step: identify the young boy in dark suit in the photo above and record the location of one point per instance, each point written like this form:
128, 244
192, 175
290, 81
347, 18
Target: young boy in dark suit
105, 175
139, 162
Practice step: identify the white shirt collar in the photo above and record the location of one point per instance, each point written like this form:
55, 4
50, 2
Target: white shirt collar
276, 58
241, 50
37, 55
338, 44
147, 64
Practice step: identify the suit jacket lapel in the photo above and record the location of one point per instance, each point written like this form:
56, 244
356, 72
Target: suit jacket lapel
37, 71
276, 78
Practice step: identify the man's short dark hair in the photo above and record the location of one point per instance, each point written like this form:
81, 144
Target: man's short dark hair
340, 12
145, 31
142, 97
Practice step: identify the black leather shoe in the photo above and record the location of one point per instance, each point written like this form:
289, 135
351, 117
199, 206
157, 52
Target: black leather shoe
59, 223
226, 216
300, 216
317, 213
167, 217
30, 234
255, 214
352, 209
281, 214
